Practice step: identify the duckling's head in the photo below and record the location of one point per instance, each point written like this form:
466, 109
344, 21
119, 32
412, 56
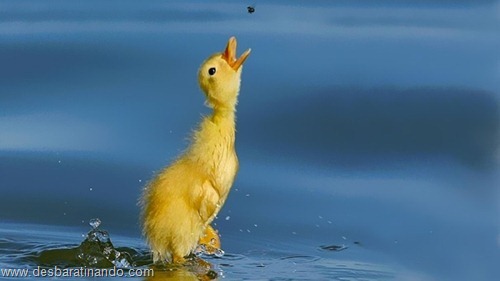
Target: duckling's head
219, 76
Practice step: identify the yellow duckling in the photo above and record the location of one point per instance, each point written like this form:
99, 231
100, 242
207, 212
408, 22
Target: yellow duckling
180, 203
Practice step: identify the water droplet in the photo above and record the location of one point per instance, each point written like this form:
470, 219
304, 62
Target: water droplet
343, 237
59, 161
219, 253
107, 251
228, 217
320, 217
90, 189
247, 195
140, 180
255, 225
95, 223
102, 236
122, 263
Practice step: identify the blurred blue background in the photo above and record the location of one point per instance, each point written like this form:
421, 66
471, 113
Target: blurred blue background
375, 122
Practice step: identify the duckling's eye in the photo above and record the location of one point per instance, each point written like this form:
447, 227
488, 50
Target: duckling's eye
212, 71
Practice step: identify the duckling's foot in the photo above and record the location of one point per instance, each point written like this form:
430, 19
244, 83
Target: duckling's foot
209, 243
210, 238
178, 260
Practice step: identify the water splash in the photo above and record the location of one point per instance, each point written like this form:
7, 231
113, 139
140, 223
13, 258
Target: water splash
96, 250
95, 223
208, 250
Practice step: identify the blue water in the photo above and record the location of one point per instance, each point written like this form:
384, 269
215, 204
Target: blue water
367, 132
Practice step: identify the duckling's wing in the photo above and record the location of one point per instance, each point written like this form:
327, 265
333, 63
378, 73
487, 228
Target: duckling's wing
209, 203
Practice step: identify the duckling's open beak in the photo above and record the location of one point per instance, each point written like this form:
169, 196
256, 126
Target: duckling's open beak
229, 54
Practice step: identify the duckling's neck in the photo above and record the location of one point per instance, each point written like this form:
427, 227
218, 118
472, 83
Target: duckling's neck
223, 126
214, 138
223, 116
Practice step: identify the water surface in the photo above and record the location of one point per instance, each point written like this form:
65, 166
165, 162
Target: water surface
367, 132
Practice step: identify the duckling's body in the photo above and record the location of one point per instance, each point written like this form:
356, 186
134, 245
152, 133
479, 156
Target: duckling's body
181, 202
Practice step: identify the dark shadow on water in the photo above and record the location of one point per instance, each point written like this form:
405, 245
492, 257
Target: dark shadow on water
333, 248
